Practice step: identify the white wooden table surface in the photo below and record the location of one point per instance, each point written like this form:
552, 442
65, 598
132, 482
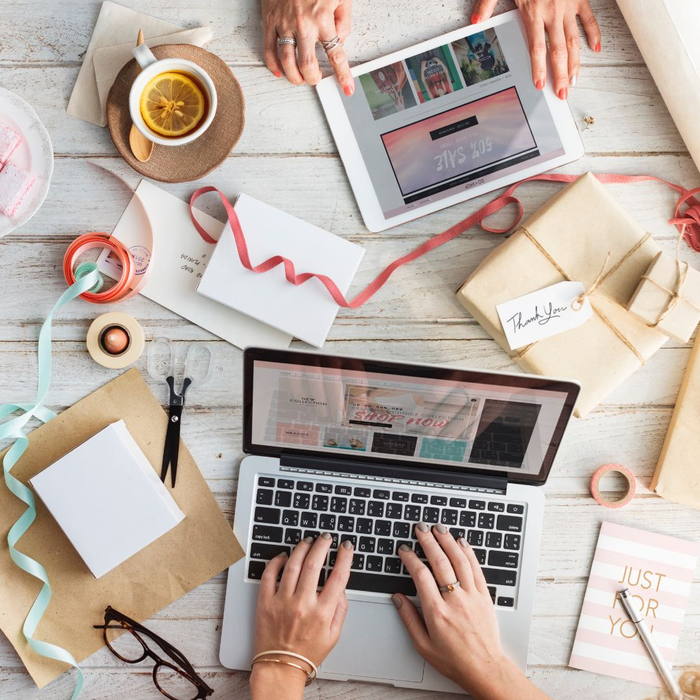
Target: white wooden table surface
287, 158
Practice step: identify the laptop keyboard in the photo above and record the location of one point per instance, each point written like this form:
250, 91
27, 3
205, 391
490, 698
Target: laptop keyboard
378, 520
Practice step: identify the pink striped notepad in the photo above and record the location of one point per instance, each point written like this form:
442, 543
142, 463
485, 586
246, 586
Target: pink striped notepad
658, 570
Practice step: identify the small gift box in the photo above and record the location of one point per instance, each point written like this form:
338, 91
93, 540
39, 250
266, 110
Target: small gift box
580, 235
668, 297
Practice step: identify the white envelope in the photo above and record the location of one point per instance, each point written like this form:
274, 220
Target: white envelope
179, 259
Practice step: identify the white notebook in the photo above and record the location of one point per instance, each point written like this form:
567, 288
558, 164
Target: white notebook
307, 311
107, 498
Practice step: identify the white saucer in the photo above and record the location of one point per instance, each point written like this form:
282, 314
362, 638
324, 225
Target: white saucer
35, 154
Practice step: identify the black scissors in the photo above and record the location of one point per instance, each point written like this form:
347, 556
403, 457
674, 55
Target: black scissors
176, 401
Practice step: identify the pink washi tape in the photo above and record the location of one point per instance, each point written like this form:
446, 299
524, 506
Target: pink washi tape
631, 485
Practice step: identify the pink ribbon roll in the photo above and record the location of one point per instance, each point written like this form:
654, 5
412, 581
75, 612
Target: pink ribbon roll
606, 469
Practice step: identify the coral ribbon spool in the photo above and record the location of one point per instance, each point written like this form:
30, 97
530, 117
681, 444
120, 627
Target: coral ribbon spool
606, 469
132, 279
122, 289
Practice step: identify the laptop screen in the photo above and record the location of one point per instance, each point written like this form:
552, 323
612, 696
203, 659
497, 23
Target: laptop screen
449, 418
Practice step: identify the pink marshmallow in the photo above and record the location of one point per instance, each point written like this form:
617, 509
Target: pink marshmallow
9, 140
15, 184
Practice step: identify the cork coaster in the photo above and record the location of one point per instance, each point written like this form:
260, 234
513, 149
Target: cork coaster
193, 160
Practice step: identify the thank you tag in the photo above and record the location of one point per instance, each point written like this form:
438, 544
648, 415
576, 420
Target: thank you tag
543, 313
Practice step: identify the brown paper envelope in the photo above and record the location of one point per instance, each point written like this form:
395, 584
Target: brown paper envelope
197, 549
577, 227
677, 475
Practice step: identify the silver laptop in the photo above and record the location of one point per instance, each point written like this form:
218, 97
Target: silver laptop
365, 449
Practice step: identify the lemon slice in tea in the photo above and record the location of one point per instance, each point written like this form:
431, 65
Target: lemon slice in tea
172, 104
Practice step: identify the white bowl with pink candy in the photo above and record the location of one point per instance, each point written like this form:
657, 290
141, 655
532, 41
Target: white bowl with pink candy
26, 162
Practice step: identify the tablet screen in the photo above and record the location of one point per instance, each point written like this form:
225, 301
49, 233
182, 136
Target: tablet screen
451, 118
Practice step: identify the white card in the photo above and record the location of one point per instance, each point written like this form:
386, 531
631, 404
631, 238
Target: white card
543, 313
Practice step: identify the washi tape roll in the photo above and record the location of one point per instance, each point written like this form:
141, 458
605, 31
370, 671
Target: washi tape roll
606, 469
115, 340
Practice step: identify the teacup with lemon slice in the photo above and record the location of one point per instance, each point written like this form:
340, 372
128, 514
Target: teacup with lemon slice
173, 101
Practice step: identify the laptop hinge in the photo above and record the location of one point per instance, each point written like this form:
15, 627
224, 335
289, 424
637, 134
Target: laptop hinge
411, 475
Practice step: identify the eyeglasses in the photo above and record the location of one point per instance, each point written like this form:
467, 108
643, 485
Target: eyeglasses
177, 681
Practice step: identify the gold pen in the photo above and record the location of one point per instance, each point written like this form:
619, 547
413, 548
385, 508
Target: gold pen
650, 643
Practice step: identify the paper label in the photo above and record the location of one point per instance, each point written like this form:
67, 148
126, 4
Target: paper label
543, 313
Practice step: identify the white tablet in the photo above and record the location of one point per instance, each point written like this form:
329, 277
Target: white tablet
447, 120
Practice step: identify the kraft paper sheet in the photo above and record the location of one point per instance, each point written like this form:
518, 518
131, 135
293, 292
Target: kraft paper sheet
198, 548
677, 475
667, 33
577, 227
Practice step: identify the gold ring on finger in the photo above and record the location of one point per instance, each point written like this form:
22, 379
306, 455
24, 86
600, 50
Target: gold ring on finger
450, 587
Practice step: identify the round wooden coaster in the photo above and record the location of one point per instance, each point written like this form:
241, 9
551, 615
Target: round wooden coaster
196, 159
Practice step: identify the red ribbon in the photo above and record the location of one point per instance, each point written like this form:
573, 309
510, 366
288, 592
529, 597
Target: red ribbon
122, 288
688, 223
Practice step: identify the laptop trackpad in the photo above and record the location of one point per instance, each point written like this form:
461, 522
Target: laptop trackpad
374, 644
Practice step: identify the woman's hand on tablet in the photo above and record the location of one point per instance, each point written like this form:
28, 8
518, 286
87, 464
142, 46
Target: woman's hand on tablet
558, 19
306, 22
458, 632
295, 617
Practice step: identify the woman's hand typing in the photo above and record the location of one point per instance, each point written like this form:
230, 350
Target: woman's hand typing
458, 632
295, 617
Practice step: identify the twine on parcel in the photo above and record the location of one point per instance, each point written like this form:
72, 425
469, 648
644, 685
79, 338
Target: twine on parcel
599, 280
675, 295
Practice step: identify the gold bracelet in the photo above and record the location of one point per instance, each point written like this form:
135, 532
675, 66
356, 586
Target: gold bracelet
292, 654
309, 677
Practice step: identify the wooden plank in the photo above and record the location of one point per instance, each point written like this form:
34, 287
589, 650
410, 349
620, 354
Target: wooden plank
50, 35
629, 114
137, 684
630, 436
76, 375
84, 198
194, 638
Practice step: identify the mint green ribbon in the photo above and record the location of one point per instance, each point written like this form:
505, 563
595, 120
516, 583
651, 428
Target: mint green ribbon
87, 278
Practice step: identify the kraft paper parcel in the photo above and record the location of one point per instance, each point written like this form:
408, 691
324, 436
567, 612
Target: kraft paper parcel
198, 548
677, 476
666, 32
577, 228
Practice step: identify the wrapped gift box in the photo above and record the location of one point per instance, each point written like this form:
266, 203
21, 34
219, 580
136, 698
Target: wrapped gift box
654, 300
677, 475
570, 238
